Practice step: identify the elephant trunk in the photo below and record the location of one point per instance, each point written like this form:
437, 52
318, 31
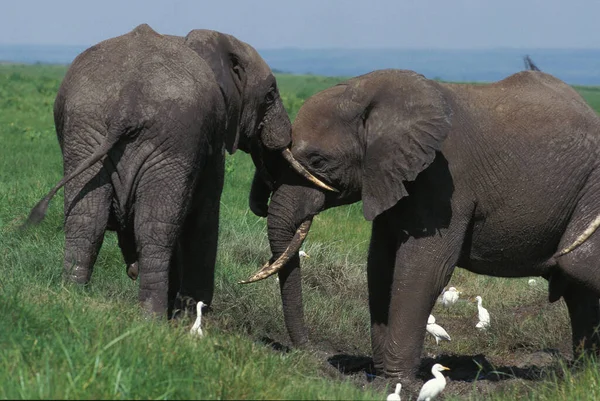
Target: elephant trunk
290, 214
276, 128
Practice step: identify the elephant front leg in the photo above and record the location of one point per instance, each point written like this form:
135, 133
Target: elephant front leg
423, 267
417, 283
380, 273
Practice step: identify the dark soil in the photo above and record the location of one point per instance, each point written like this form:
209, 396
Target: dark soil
469, 375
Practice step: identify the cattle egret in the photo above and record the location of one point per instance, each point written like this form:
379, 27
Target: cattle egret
196, 329
437, 332
450, 297
483, 315
303, 254
395, 396
430, 319
531, 282
435, 386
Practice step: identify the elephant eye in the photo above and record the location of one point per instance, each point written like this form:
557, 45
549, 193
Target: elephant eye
318, 162
270, 97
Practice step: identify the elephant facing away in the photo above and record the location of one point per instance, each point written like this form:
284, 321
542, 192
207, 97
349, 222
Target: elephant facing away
143, 121
500, 179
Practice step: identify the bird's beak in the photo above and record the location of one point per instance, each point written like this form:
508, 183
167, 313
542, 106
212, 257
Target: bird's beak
445, 368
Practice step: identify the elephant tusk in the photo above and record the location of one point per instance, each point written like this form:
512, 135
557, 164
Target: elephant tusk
287, 155
591, 228
292, 249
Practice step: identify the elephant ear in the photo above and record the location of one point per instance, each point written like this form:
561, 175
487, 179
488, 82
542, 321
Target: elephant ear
405, 124
234, 101
221, 54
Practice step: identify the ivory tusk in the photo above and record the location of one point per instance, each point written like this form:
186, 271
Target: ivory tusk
292, 249
287, 155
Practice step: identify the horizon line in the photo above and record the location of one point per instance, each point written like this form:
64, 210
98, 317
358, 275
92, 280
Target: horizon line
329, 48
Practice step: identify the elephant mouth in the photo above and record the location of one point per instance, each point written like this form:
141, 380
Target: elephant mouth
268, 269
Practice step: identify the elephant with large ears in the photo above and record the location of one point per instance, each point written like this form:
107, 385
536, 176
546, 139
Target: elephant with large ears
143, 121
500, 179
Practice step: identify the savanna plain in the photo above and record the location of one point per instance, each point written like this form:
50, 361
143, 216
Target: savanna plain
62, 341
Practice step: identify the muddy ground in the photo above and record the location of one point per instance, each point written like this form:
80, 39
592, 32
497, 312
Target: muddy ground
469, 375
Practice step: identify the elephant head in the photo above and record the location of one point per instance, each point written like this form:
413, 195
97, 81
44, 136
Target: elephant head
365, 137
257, 121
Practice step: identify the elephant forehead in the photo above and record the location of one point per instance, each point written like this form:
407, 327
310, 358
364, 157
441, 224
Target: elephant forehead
325, 109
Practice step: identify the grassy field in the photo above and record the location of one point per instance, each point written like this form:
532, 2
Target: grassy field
60, 341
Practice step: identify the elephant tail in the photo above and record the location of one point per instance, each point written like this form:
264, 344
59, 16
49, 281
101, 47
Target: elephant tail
38, 213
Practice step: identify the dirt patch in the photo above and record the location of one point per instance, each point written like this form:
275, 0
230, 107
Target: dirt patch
468, 375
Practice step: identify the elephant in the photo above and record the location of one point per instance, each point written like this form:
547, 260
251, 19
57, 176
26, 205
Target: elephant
143, 121
500, 179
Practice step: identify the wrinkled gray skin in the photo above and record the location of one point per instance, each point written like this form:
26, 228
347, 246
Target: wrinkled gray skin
143, 121
497, 179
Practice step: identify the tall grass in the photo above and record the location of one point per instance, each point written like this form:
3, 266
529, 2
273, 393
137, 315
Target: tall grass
62, 341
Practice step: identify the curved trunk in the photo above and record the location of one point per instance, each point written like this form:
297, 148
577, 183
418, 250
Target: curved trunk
258, 199
290, 206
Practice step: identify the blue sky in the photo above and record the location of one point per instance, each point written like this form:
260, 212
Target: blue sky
442, 24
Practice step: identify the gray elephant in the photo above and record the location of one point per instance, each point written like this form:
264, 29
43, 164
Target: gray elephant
143, 121
500, 179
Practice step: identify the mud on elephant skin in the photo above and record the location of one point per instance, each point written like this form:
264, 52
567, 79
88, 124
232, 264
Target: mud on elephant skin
143, 121
500, 179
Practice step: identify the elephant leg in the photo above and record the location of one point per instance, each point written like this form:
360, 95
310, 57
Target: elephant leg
174, 283
128, 250
579, 277
87, 208
584, 312
380, 273
198, 242
423, 268
161, 206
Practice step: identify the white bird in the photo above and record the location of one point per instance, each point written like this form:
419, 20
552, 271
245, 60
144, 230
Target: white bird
437, 332
435, 386
483, 315
196, 329
450, 297
395, 396
531, 282
430, 319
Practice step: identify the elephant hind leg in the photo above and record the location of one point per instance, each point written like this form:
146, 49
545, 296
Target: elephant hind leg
579, 275
129, 252
579, 278
87, 207
198, 241
584, 312
161, 207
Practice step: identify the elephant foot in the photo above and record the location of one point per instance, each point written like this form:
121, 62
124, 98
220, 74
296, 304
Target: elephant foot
152, 310
133, 271
403, 376
77, 275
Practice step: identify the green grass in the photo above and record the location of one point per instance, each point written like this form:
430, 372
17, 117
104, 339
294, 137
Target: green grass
61, 341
